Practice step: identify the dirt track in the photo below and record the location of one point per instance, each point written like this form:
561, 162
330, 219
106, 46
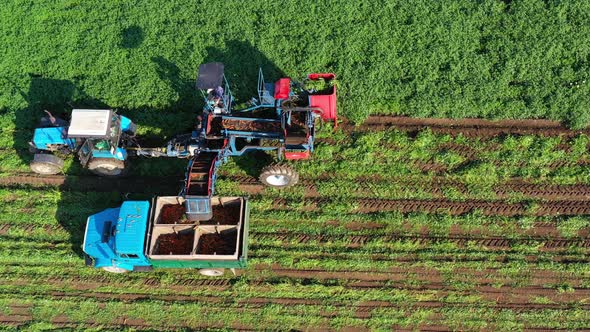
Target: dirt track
466, 127
363, 188
486, 207
545, 241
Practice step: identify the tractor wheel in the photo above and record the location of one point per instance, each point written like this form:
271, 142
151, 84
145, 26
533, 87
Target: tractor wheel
107, 167
212, 272
46, 164
279, 176
114, 269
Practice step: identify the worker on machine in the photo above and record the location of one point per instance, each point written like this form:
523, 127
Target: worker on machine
215, 99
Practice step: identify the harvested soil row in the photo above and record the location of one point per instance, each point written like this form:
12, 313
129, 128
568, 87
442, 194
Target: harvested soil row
365, 187
466, 256
226, 245
158, 185
549, 208
465, 127
21, 321
261, 303
543, 277
350, 279
360, 240
256, 126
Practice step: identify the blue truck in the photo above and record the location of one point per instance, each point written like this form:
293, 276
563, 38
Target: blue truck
143, 235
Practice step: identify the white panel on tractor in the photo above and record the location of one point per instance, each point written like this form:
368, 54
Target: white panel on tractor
90, 123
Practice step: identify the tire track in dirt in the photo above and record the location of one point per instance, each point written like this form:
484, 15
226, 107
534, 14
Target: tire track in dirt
492, 281
256, 303
366, 187
465, 127
352, 241
24, 318
487, 207
355, 241
465, 256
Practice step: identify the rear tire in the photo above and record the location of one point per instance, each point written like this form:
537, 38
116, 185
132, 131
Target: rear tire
279, 176
212, 272
114, 269
46, 164
107, 167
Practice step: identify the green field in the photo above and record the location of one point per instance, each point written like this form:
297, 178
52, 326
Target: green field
465, 232
491, 59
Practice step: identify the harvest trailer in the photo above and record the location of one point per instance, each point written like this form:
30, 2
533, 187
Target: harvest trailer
141, 236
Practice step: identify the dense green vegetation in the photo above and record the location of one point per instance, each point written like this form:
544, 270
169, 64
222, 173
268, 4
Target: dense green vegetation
492, 59
334, 266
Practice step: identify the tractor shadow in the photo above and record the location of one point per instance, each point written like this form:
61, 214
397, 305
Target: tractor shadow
58, 97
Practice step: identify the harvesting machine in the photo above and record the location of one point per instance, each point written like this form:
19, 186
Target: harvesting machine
197, 229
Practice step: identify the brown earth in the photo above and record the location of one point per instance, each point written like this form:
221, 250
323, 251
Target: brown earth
223, 243
465, 127
175, 244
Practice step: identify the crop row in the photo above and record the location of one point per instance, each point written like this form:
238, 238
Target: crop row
539, 159
164, 315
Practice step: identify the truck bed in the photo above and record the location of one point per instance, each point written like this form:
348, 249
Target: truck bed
172, 238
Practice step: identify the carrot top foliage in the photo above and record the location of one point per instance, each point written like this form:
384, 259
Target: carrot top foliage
490, 58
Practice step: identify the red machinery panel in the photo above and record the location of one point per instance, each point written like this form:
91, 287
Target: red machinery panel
297, 155
282, 88
325, 101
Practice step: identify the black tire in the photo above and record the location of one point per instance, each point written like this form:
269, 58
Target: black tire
107, 167
279, 176
46, 164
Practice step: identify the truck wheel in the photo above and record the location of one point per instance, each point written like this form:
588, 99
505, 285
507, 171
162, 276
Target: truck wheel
279, 176
46, 164
114, 269
107, 167
212, 272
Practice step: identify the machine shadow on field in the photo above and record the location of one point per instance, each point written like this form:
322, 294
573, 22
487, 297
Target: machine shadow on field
58, 97
81, 194
242, 63
132, 37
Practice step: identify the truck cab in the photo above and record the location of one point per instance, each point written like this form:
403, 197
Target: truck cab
114, 238
142, 235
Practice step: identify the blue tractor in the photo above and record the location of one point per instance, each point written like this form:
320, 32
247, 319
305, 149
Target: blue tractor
99, 137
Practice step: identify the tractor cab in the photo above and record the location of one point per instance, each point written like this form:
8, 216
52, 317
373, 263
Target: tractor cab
99, 133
